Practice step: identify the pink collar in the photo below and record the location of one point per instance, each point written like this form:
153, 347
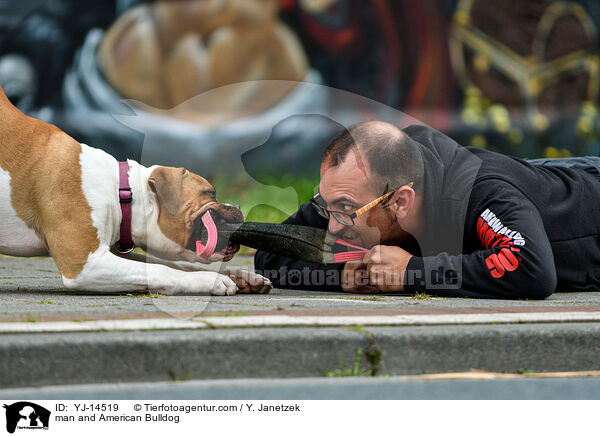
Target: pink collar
125, 244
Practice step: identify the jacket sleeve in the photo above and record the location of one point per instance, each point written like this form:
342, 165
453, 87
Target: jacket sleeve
512, 256
286, 272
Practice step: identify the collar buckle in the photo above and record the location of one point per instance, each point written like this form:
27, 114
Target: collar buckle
125, 195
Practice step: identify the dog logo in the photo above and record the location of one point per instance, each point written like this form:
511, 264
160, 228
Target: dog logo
26, 415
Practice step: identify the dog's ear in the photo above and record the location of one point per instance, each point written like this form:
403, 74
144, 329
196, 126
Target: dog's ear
167, 184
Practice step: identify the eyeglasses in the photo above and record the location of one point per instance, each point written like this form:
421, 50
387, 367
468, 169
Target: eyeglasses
347, 219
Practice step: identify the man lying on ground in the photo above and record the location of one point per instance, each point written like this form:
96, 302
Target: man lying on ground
448, 220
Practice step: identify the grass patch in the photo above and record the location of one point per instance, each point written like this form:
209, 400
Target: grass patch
360, 329
373, 355
421, 296
178, 378
356, 370
366, 298
30, 318
208, 324
148, 295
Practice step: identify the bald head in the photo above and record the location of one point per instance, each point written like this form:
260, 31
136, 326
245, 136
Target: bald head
373, 130
384, 152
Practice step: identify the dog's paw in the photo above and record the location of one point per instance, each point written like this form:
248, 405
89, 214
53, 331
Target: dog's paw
249, 282
200, 283
206, 283
223, 285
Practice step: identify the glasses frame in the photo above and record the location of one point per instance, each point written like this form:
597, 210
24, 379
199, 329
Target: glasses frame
326, 213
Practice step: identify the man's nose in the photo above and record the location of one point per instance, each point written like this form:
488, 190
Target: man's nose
333, 226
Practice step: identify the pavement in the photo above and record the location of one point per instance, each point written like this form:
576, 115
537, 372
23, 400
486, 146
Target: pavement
351, 388
55, 337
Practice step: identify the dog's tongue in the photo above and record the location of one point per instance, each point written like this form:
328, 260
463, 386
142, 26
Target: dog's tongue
205, 251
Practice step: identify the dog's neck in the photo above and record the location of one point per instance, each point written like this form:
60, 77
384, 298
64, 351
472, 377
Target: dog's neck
145, 231
143, 206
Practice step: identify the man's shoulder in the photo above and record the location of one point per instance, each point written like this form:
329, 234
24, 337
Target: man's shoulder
429, 136
503, 167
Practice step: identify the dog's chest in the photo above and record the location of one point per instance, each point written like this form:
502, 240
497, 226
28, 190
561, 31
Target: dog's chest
16, 239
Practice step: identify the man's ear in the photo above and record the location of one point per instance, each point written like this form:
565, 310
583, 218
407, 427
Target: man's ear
402, 200
167, 184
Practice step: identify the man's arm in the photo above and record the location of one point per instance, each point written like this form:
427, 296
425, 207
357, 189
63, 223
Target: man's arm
513, 260
285, 272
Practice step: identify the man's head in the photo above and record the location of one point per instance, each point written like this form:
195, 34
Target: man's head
363, 163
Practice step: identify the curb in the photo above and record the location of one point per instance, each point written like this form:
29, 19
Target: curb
40, 359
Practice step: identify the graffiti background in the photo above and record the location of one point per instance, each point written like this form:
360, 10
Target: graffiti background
516, 77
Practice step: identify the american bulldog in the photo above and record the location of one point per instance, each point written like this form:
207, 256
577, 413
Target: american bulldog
78, 204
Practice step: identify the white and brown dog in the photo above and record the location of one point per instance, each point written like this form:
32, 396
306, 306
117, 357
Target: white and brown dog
62, 198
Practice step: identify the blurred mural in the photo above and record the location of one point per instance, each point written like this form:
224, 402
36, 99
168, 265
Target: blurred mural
518, 77
164, 54
527, 68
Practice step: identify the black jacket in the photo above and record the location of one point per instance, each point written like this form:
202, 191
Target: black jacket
495, 226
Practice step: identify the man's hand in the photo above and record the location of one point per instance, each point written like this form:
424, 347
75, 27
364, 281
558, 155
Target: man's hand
386, 267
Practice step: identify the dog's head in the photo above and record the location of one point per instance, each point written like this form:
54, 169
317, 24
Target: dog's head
182, 198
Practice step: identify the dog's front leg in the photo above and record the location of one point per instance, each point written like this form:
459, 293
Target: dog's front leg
106, 272
180, 265
247, 281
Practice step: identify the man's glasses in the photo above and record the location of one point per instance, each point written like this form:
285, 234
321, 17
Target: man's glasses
347, 219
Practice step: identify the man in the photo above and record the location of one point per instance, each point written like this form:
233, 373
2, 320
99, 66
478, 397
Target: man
449, 220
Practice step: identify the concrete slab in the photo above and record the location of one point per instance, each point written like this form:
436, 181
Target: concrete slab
54, 336
31, 290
